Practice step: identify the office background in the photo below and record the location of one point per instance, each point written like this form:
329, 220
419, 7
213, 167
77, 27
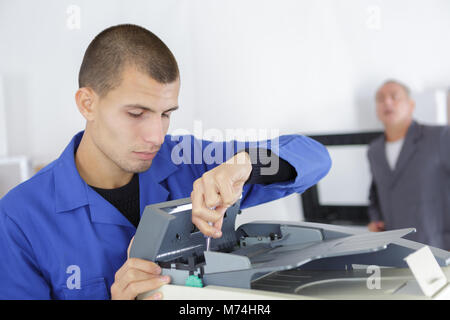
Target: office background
309, 67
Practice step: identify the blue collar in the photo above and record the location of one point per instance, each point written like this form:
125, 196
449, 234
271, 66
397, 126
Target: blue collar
70, 188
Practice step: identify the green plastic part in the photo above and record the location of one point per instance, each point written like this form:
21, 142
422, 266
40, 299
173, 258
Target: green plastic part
194, 281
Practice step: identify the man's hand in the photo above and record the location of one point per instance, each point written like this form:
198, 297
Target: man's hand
137, 276
217, 190
376, 226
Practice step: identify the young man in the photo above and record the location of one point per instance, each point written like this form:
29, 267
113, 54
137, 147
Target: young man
410, 165
64, 233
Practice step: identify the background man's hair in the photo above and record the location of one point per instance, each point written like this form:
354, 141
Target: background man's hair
125, 45
401, 84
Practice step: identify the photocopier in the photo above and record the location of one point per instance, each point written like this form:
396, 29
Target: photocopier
277, 259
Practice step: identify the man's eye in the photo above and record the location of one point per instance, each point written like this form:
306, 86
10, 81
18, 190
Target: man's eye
166, 115
135, 115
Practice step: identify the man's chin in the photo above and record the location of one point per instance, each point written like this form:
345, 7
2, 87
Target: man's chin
139, 167
390, 122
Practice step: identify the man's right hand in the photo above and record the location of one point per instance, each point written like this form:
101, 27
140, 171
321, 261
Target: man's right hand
376, 226
137, 276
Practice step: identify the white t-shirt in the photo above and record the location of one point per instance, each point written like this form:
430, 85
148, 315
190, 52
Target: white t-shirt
392, 152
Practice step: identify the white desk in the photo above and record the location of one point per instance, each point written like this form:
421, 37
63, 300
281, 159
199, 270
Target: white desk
396, 284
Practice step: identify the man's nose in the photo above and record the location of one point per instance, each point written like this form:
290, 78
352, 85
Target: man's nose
153, 130
389, 100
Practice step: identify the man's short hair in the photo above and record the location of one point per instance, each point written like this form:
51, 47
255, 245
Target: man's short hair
125, 45
404, 87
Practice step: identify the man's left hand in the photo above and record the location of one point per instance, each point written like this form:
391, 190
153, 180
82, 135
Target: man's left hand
217, 190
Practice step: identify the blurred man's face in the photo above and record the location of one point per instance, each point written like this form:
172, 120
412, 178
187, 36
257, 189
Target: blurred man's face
394, 106
130, 122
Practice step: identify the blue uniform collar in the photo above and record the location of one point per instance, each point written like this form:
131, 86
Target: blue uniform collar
72, 191
70, 188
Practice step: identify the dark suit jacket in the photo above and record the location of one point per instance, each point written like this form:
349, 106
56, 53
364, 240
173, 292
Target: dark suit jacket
417, 192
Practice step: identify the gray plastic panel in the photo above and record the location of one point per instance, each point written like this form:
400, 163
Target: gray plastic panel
289, 256
151, 233
166, 233
224, 262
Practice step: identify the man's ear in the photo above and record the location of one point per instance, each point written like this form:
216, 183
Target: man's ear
86, 100
413, 104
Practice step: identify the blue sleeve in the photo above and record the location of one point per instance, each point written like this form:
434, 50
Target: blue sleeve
20, 277
309, 158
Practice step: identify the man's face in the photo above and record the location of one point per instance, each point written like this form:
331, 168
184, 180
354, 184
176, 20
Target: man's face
394, 106
131, 120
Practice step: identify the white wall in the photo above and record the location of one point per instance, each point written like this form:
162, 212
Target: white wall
297, 66
313, 66
3, 133
41, 57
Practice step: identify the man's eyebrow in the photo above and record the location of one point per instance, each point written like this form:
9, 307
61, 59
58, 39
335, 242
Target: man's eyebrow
148, 108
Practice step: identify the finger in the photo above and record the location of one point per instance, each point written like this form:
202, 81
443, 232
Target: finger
197, 196
140, 264
199, 209
132, 275
129, 247
218, 224
226, 190
211, 194
135, 288
156, 296
238, 188
207, 215
205, 228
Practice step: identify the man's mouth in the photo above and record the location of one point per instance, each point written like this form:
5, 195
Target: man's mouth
145, 155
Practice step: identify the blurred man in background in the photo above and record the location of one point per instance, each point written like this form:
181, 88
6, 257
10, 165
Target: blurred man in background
410, 166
